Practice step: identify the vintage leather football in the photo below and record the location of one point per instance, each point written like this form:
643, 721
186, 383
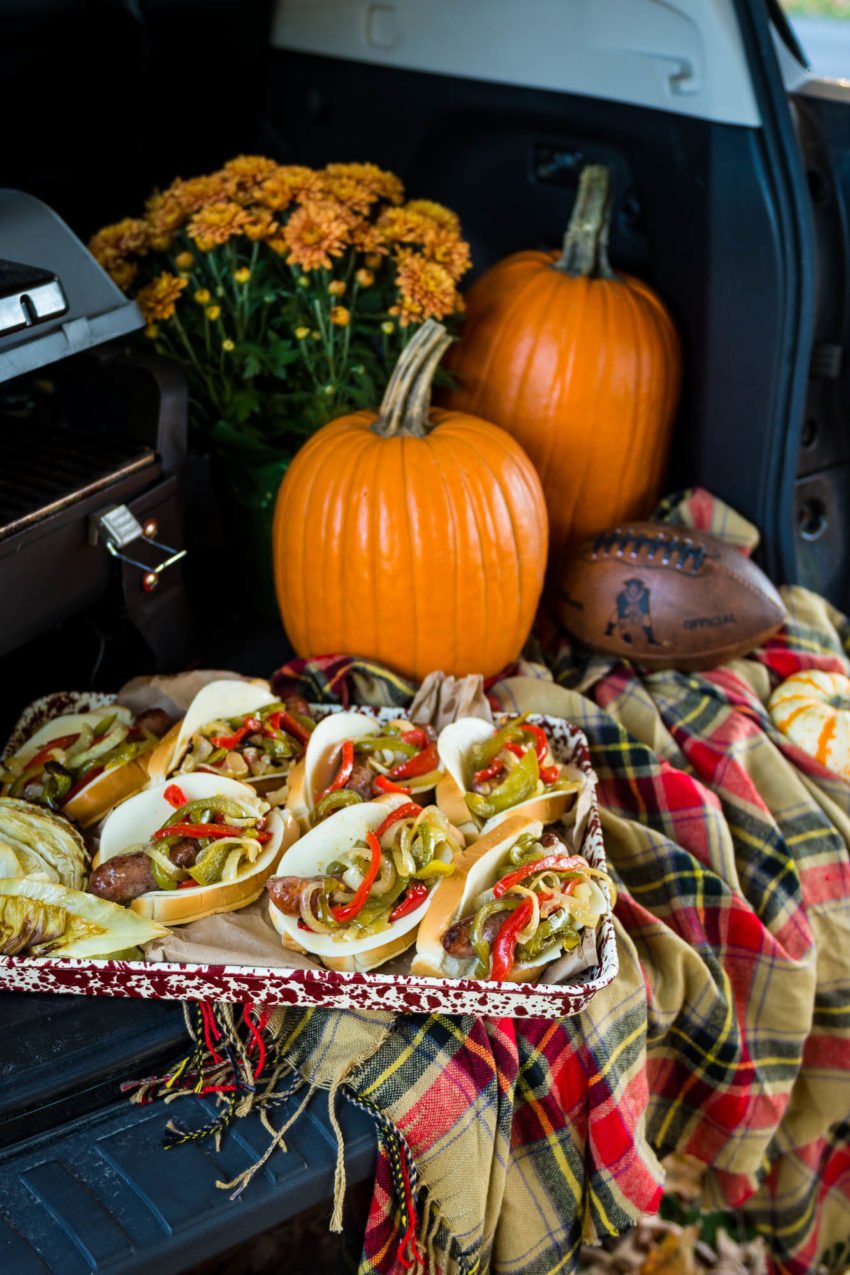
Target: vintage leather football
666, 597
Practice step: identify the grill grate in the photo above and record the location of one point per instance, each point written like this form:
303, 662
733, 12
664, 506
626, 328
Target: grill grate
43, 471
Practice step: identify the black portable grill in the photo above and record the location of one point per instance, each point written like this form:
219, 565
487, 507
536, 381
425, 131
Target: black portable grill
92, 444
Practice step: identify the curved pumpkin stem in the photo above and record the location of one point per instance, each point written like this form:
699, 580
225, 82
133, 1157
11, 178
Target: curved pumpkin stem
407, 399
586, 241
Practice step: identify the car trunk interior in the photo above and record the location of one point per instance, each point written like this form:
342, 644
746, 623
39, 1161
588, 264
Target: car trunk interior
728, 203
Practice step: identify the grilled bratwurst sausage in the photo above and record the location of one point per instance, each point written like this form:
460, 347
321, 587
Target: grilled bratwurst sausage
285, 892
124, 878
297, 704
360, 780
155, 721
184, 852
457, 940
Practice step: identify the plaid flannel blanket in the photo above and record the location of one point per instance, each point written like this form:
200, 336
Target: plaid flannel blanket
726, 1036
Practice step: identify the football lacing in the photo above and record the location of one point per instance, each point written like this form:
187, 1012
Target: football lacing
661, 549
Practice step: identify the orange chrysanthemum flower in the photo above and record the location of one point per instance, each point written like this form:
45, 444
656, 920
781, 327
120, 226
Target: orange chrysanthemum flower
315, 234
260, 224
120, 240
123, 273
369, 239
243, 176
288, 182
348, 191
401, 225
158, 299
169, 211
451, 252
380, 184
216, 224
426, 289
438, 213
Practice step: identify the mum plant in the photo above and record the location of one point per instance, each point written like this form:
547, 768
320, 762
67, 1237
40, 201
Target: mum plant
286, 293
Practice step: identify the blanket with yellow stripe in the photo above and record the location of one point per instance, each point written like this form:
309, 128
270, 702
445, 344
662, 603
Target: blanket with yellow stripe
505, 1144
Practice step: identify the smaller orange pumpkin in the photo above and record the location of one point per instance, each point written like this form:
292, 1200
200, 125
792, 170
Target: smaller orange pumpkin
813, 710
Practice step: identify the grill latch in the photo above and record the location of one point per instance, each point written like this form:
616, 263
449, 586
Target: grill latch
118, 528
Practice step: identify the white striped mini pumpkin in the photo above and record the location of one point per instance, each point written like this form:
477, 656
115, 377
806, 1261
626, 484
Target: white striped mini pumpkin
813, 710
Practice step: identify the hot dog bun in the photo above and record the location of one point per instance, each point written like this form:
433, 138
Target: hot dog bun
454, 745
310, 856
106, 790
136, 820
223, 699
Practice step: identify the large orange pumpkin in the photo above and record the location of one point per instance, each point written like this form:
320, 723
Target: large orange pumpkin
414, 537
581, 365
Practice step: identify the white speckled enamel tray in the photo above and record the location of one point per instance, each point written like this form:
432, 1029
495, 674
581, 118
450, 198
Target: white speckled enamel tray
316, 985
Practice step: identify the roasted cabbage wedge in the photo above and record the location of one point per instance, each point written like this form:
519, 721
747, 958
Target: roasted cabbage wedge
41, 918
36, 843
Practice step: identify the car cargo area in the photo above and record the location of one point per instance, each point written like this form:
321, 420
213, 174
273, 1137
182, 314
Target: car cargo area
458, 1130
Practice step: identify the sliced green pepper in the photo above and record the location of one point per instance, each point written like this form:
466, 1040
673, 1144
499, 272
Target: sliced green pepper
436, 868
334, 801
524, 847
215, 805
276, 706
322, 904
122, 753
208, 870
284, 747
57, 785
521, 783
163, 880
376, 910
481, 754
383, 743
424, 844
556, 924
477, 939
104, 725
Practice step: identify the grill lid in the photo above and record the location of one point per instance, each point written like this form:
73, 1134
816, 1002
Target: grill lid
55, 300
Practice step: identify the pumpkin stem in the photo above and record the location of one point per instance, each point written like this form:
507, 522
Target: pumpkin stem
586, 241
407, 399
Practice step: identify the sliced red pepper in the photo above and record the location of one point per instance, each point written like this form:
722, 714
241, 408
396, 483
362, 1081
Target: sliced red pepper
383, 784
492, 771
550, 774
83, 782
250, 726
549, 863
427, 760
408, 811
414, 895
348, 911
417, 736
175, 796
43, 754
516, 749
282, 720
187, 884
541, 743
504, 944
344, 773
198, 830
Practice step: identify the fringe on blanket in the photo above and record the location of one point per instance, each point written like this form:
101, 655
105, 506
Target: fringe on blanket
242, 1056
